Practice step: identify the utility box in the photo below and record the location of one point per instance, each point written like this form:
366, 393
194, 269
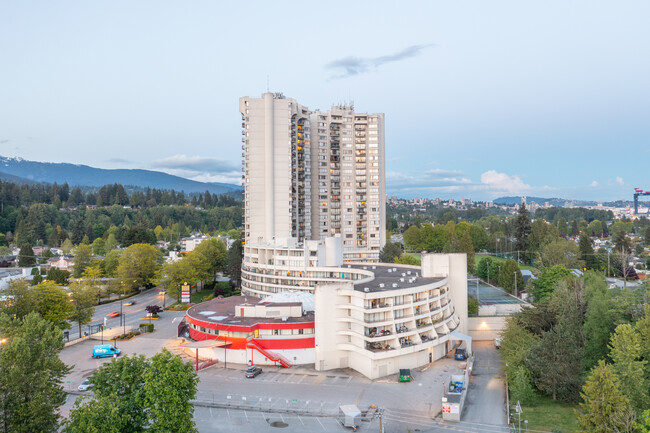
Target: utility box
349, 416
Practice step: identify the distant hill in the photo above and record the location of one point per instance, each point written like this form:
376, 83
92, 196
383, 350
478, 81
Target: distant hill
82, 175
15, 179
557, 202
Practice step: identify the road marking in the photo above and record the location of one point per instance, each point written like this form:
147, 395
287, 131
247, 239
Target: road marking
300, 419
321, 424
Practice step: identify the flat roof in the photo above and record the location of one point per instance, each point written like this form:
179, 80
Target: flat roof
222, 311
389, 275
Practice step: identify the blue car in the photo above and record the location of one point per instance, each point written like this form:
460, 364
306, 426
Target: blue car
460, 354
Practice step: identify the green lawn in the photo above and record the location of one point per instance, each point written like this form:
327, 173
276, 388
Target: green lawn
549, 415
197, 297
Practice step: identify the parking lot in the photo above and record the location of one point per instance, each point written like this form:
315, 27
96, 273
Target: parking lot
305, 399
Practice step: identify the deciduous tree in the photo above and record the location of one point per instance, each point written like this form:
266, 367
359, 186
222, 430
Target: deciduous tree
31, 374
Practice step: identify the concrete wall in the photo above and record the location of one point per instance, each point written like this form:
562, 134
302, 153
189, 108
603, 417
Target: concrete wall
486, 328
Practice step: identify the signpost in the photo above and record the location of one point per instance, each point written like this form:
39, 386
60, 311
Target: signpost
185, 293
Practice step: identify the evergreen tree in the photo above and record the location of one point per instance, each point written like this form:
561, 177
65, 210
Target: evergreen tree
509, 273
389, 252
26, 256
233, 262
575, 231
587, 251
522, 230
605, 408
629, 366
467, 247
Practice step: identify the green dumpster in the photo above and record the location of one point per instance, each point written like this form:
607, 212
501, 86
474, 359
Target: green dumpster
405, 375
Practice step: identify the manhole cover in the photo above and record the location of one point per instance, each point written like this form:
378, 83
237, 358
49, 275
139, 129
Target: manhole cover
279, 424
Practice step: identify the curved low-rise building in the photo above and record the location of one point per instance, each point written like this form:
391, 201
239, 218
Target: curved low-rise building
373, 318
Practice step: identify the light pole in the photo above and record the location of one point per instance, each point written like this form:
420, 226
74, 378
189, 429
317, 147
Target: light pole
516, 295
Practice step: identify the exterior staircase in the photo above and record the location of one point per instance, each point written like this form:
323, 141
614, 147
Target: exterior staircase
252, 344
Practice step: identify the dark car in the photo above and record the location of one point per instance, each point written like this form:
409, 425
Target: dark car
253, 371
460, 354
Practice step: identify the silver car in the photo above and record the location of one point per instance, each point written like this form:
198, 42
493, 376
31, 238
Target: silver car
85, 385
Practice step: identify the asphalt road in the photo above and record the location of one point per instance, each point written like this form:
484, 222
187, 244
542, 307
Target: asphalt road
131, 314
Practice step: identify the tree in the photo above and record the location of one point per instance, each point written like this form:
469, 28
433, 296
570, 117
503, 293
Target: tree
436, 238
58, 276
587, 251
154, 310
208, 257
407, 259
67, 246
26, 256
479, 237
138, 265
138, 235
605, 408
621, 242
600, 318
169, 406
111, 262
99, 246
545, 284
98, 415
390, 252
22, 299
559, 252
31, 374
472, 306
467, 247
412, 238
510, 276
173, 275
83, 254
562, 227
53, 303
83, 297
149, 394
123, 381
574, 228
488, 269
627, 363
233, 263
111, 243
522, 230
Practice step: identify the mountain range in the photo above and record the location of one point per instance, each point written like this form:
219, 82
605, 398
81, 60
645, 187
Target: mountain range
23, 171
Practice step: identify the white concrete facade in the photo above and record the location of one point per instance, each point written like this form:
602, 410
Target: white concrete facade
312, 175
379, 331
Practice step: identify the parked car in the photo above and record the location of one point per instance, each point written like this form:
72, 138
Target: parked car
253, 371
497, 342
460, 354
128, 304
85, 385
113, 314
105, 351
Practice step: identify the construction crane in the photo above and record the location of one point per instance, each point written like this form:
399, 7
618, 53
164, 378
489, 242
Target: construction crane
638, 192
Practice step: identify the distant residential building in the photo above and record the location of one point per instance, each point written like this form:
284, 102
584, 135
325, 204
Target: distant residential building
188, 244
64, 262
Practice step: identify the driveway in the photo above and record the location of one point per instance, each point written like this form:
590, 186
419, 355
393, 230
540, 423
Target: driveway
486, 397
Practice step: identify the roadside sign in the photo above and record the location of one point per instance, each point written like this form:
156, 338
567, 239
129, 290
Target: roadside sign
446, 408
185, 293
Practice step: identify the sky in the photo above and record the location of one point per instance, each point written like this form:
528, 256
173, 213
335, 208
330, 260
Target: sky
481, 99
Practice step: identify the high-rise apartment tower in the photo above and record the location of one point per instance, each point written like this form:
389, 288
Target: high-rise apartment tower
312, 175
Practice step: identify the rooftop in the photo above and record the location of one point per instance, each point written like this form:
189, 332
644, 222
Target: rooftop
387, 276
222, 311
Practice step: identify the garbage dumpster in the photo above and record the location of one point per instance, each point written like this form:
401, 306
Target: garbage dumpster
405, 375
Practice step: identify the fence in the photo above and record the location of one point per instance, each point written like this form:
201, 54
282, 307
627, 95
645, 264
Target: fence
267, 404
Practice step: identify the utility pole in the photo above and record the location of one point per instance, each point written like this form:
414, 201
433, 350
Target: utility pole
516, 294
381, 420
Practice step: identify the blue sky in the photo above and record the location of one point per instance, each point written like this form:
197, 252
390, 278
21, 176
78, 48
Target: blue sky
482, 99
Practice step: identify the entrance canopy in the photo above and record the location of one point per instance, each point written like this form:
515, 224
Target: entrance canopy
458, 336
205, 343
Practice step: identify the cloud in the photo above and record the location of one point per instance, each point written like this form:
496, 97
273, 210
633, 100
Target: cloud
195, 163
4, 141
496, 181
350, 66
200, 168
619, 180
593, 184
118, 161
